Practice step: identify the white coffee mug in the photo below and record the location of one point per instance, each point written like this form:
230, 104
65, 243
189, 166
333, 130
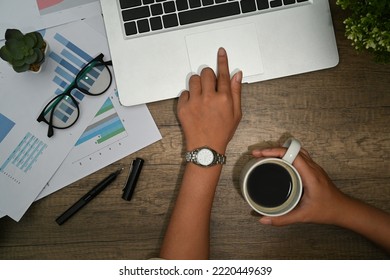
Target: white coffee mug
272, 186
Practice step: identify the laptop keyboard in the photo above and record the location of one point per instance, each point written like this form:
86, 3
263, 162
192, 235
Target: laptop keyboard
143, 17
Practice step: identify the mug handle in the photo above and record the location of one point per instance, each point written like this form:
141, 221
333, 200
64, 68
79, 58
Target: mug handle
294, 146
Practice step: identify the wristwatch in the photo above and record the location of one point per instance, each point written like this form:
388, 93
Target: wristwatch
205, 156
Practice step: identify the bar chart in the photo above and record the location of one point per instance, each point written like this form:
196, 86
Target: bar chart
106, 125
70, 60
76, 74
25, 154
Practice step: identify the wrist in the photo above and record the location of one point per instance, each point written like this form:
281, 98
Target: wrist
219, 148
205, 157
345, 212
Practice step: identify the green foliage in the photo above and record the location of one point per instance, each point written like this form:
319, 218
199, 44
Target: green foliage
368, 26
22, 50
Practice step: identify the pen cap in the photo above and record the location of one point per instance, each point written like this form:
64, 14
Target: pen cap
132, 179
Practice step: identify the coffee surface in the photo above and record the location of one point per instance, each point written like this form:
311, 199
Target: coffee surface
269, 185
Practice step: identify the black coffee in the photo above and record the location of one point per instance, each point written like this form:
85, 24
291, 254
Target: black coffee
269, 185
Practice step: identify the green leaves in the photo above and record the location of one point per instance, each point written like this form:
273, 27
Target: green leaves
5, 54
13, 34
36, 38
17, 48
368, 26
21, 51
22, 68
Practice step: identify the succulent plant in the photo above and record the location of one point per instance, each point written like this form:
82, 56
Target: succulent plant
23, 51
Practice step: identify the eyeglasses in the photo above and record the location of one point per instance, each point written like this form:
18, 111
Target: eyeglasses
63, 110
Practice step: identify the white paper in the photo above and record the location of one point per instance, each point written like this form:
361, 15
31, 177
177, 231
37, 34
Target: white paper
31, 15
28, 158
115, 132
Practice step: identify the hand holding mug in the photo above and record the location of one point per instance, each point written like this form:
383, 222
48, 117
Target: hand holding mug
272, 186
321, 202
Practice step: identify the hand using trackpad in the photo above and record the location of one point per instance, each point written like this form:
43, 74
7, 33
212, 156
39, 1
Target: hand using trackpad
240, 43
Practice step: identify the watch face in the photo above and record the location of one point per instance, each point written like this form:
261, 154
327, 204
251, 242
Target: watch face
205, 157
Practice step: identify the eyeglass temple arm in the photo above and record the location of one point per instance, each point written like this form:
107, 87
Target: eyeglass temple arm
50, 130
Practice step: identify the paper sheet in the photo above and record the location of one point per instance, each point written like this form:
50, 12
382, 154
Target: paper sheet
28, 158
31, 15
115, 132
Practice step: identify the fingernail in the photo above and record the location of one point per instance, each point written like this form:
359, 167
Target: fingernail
266, 221
239, 77
221, 51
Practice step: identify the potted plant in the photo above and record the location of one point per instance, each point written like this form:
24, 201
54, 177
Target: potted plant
24, 52
368, 26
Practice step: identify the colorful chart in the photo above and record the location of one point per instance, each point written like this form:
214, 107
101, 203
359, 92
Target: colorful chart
43, 4
5, 126
106, 125
70, 60
26, 153
56, 6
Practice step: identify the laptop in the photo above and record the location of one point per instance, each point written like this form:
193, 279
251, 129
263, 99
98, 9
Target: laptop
156, 45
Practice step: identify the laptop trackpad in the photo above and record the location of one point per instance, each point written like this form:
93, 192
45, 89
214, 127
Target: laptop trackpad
241, 45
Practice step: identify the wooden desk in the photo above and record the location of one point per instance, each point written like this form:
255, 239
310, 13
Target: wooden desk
341, 116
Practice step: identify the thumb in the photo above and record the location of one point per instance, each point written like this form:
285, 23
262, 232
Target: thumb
235, 85
284, 220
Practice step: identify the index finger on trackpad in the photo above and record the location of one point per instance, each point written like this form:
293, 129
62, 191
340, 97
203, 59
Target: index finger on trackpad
240, 42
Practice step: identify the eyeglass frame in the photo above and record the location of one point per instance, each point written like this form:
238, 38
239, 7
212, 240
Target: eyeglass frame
68, 92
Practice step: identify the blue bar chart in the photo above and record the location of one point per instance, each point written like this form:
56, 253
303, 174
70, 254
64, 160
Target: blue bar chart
26, 153
70, 60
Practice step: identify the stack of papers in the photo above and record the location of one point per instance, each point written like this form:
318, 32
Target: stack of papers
32, 165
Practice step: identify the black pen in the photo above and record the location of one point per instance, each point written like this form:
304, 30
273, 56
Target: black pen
87, 197
132, 179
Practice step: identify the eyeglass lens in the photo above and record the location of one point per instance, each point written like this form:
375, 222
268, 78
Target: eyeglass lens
64, 109
95, 79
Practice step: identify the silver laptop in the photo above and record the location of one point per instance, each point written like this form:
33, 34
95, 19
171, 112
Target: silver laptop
156, 45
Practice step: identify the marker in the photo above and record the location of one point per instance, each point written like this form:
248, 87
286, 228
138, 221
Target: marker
132, 179
87, 197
